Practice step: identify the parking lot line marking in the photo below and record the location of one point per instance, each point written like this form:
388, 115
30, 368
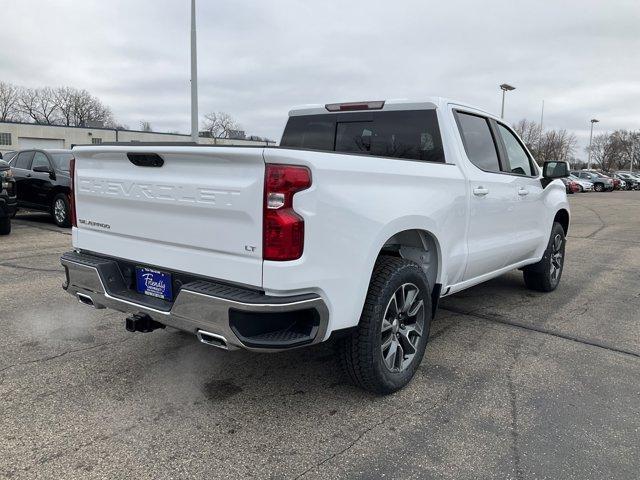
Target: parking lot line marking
545, 331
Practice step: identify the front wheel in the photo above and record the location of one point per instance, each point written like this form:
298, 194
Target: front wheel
385, 350
544, 276
598, 187
61, 210
5, 226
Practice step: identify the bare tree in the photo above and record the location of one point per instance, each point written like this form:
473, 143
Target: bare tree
39, 105
220, 124
145, 126
529, 132
60, 106
602, 151
9, 96
88, 108
614, 151
66, 99
546, 145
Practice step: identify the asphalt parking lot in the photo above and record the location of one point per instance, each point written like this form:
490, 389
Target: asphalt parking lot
515, 384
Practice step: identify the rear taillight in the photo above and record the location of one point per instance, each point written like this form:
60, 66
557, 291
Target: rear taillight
283, 228
72, 195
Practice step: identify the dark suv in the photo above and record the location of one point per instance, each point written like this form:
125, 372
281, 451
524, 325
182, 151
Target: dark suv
7, 198
43, 182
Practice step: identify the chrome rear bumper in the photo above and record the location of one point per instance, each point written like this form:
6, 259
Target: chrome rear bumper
235, 316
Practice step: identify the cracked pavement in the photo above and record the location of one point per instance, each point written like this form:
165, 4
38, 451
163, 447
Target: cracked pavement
514, 385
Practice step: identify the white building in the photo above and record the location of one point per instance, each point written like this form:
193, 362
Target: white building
19, 136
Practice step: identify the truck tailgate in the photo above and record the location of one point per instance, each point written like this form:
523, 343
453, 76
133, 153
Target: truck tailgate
199, 212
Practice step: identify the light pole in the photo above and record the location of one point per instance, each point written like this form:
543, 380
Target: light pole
194, 76
593, 120
505, 87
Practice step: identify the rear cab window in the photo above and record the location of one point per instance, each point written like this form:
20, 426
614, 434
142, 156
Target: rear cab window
405, 134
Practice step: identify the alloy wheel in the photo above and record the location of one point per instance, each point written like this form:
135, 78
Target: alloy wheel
556, 257
60, 211
402, 327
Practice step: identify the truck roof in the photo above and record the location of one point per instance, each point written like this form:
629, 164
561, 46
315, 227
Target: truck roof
427, 103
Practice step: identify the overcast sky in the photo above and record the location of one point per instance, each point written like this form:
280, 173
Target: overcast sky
257, 58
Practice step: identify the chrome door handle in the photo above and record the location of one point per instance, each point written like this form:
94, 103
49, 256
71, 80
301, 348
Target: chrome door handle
480, 191
523, 191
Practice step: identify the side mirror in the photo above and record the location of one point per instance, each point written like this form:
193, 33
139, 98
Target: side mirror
554, 169
42, 169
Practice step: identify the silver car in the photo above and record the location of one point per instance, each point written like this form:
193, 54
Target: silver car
585, 185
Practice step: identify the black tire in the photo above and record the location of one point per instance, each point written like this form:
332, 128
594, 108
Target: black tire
545, 275
598, 187
361, 352
5, 226
61, 217
580, 189
13, 215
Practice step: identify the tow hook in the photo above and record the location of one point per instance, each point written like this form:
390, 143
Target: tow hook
141, 322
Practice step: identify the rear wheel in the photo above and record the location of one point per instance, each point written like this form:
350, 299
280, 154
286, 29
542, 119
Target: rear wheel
5, 226
61, 210
544, 276
385, 350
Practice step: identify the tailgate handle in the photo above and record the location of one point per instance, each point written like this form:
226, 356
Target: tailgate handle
145, 159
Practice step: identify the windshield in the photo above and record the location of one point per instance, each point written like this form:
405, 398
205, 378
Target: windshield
61, 161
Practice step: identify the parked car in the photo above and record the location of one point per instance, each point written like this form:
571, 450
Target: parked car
585, 185
571, 186
7, 197
632, 183
43, 182
600, 182
363, 218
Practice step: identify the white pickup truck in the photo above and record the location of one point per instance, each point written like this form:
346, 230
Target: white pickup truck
356, 225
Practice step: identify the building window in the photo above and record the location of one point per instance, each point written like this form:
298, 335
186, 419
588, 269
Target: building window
5, 138
95, 140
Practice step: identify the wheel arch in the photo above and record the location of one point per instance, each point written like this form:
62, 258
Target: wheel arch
420, 246
55, 191
562, 217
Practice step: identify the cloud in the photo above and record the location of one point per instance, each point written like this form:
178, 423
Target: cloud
258, 58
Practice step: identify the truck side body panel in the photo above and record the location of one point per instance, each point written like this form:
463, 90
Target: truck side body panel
356, 204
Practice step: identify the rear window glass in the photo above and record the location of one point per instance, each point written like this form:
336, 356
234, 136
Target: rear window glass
413, 135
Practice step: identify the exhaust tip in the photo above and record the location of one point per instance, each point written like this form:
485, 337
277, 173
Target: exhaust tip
85, 300
212, 339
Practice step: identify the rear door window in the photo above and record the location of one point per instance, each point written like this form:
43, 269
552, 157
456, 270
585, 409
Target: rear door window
23, 160
478, 141
412, 135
